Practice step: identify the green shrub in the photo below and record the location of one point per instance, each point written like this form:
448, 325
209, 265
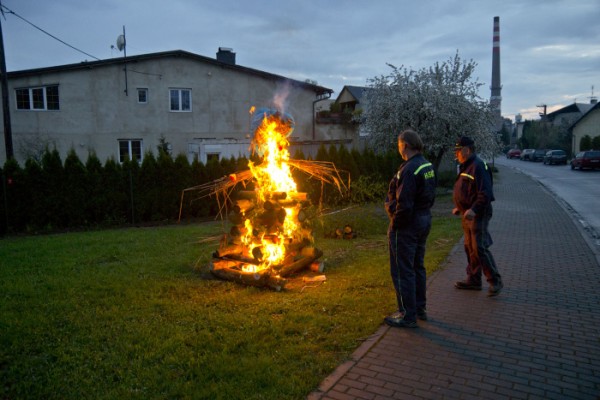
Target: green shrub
366, 189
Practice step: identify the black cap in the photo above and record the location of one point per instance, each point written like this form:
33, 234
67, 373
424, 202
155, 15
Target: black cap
464, 141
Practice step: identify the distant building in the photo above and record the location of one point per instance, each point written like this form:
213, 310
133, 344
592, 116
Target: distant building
588, 124
124, 107
338, 122
568, 114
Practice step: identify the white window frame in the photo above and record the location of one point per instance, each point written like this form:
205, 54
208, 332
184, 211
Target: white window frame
30, 94
140, 91
180, 107
130, 150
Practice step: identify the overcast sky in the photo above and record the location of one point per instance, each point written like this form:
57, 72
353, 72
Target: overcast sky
550, 50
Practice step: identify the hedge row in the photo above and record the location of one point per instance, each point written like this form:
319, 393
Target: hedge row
52, 195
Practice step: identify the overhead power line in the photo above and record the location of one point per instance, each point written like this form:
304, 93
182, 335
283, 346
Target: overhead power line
8, 10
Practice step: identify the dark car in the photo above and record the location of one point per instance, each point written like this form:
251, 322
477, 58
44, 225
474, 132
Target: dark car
555, 157
586, 159
526, 154
513, 153
538, 155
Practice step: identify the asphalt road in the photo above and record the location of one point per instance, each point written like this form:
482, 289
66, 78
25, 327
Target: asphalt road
578, 190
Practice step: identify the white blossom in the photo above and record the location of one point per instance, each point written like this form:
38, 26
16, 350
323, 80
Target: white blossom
441, 103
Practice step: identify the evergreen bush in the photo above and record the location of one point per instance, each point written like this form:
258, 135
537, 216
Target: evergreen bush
49, 195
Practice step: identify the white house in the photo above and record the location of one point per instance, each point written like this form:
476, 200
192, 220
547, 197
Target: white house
123, 107
588, 124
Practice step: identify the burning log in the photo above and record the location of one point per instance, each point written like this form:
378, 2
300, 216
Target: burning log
231, 271
298, 196
295, 247
308, 255
271, 217
237, 231
278, 195
234, 249
272, 205
288, 203
243, 206
246, 195
238, 218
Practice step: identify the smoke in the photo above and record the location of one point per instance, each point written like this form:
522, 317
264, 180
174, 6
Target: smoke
279, 104
280, 97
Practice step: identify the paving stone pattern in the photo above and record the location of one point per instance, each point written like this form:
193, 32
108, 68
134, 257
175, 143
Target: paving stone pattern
539, 339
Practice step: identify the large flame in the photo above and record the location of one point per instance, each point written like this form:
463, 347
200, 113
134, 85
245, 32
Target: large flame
274, 182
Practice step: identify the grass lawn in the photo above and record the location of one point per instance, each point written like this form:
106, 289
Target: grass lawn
135, 314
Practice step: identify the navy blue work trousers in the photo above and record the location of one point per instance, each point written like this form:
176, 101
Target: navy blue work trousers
407, 264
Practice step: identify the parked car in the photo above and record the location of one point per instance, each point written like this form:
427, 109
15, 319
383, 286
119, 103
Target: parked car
586, 159
538, 155
555, 157
513, 153
526, 154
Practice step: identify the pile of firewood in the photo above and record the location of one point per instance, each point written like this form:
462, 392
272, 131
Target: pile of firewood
236, 262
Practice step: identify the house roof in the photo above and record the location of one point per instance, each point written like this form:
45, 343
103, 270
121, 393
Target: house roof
355, 91
591, 108
581, 108
319, 90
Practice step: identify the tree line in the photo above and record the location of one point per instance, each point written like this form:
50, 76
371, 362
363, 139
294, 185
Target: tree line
53, 195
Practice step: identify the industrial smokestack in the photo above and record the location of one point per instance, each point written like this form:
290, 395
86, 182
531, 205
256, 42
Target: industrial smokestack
496, 88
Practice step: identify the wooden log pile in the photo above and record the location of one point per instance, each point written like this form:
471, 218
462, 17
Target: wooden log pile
234, 260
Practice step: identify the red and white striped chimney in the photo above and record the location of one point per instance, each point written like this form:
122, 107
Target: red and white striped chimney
496, 88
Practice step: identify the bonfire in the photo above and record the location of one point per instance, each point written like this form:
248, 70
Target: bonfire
270, 236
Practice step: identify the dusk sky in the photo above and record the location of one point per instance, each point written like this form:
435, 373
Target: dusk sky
550, 51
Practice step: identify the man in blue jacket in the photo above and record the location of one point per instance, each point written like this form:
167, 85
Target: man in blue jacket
408, 202
473, 196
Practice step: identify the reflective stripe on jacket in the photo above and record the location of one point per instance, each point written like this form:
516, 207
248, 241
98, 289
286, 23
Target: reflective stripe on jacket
411, 190
473, 188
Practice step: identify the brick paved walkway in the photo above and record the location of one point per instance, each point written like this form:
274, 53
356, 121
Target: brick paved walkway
540, 339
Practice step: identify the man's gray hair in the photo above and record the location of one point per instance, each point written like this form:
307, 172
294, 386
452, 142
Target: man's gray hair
412, 139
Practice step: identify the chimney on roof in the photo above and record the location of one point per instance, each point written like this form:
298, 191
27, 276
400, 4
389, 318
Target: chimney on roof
226, 55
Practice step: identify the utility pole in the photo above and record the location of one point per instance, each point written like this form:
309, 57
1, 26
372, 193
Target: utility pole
122, 45
544, 124
544, 106
5, 106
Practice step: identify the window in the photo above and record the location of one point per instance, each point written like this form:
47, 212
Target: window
142, 95
180, 99
130, 149
212, 157
38, 98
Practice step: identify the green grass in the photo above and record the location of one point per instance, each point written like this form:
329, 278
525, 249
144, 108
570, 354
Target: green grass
135, 314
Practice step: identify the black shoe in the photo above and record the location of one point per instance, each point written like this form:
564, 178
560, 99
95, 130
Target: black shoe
466, 285
495, 290
396, 322
422, 314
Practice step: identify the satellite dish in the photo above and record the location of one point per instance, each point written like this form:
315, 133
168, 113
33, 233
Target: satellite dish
121, 42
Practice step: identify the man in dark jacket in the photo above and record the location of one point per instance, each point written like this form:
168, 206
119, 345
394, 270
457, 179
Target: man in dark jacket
473, 196
410, 197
